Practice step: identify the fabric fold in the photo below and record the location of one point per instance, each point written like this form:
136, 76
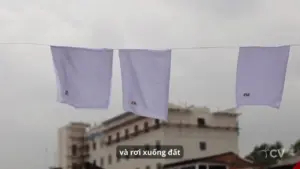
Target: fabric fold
83, 76
261, 75
145, 81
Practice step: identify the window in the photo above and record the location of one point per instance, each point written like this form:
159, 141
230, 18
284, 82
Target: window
136, 130
157, 145
74, 150
158, 166
147, 167
94, 146
146, 126
201, 122
109, 140
156, 122
109, 159
94, 162
126, 133
102, 162
202, 145
118, 137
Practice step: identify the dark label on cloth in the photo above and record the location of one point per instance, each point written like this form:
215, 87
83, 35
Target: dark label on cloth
246, 94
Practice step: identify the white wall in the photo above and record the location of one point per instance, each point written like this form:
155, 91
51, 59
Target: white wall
217, 142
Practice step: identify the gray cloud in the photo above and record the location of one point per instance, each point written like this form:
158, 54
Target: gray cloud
204, 77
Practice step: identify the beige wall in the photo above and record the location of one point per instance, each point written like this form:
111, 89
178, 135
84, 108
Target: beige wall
62, 147
67, 136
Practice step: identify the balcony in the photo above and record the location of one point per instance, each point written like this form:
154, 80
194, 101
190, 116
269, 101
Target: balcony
158, 124
77, 138
133, 134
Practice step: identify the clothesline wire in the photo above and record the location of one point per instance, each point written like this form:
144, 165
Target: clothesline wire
180, 48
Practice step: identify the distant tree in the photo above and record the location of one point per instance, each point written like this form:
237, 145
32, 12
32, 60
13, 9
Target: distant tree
259, 154
296, 147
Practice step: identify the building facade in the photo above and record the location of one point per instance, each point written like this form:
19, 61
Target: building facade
71, 145
200, 132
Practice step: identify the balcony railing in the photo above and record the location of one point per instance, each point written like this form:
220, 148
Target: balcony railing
132, 135
157, 126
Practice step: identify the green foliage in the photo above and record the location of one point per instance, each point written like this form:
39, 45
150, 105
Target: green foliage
296, 147
258, 155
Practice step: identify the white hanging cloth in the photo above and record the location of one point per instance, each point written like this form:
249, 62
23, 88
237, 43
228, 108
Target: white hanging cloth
146, 81
261, 75
83, 76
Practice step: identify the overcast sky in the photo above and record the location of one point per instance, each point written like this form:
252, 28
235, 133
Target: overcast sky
30, 114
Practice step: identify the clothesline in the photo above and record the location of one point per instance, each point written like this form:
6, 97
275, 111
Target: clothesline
180, 48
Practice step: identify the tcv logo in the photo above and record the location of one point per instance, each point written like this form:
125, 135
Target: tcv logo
274, 153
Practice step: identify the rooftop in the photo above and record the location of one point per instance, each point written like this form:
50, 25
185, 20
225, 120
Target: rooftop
213, 159
288, 161
178, 108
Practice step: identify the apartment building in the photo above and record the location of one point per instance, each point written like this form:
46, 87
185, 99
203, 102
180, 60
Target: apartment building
71, 141
200, 132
